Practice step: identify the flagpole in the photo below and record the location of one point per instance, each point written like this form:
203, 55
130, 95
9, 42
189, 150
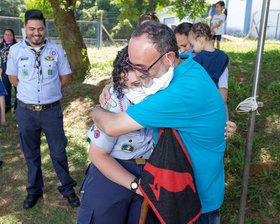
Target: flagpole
249, 143
144, 212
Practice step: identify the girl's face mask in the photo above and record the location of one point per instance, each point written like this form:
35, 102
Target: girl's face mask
8, 39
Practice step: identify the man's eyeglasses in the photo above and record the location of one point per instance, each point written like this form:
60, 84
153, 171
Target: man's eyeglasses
145, 71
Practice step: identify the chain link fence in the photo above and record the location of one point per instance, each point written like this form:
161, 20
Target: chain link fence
90, 31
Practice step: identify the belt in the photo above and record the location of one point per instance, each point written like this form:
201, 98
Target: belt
135, 161
34, 107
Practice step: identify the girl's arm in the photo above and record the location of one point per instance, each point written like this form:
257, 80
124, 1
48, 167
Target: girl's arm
217, 24
224, 93
110, 167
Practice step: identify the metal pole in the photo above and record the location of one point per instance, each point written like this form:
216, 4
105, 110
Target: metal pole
277, 26
100, 28
97, 29
249, 143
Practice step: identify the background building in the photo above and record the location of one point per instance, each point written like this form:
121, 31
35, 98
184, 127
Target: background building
243, 18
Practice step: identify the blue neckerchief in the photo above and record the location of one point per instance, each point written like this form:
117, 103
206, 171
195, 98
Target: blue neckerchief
38, 62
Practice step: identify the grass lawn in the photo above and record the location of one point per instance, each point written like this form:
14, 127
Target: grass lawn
81, 95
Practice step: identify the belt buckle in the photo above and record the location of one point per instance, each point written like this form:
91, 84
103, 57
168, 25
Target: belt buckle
140, 161
37, 108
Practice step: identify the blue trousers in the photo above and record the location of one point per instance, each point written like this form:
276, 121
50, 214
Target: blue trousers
30, 126
104, 201
209, 218
8, 87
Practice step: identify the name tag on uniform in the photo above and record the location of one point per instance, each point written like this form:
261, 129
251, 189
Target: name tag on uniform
49, 58
24, 58
50, 72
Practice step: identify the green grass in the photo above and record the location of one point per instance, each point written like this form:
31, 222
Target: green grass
263, 204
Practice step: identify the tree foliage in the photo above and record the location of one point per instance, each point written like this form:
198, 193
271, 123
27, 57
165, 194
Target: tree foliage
12, 7
132, 9
43, 5
185, 8
68, 30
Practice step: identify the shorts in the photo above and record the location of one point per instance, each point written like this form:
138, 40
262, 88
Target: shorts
218, 37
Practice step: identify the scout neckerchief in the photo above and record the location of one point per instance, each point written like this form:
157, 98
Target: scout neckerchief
38, 62
5, 51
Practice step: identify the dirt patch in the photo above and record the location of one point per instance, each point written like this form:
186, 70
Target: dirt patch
261, 168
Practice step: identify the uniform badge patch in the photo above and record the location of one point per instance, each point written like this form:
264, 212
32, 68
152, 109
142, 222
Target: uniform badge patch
127, 148
110, 104
96, 134
53, 52
25, 72
49, 58
95, 128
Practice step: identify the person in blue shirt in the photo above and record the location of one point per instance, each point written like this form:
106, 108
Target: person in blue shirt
185, 99
9, 39
40, 69
108, 192
3, 92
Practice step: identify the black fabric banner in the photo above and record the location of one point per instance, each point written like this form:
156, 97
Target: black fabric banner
167, 181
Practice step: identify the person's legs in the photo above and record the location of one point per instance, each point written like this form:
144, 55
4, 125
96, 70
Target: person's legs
30, 140
8, 88
135, 212
102, 201
218, 44
136, 201
0, 155
52, 126
218, 41
213, 42
209, 218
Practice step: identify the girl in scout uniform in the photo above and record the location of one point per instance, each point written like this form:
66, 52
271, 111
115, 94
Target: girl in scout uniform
110, 191
9, 39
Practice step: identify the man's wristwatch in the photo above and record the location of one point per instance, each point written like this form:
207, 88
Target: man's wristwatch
134, 185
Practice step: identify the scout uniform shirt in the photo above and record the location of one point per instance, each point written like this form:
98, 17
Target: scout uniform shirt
136, 144
34, 88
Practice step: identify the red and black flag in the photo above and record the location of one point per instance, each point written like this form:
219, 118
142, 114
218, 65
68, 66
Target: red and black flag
167, 181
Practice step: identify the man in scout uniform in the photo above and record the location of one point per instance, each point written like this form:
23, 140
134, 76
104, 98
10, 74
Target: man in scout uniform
39, 69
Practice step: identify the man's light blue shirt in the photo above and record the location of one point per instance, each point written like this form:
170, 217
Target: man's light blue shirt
31, 89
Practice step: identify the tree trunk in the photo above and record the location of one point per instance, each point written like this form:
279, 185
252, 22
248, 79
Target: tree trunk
71, 36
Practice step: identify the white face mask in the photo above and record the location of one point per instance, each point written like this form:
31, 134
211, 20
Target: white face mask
136, 95
160, 83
